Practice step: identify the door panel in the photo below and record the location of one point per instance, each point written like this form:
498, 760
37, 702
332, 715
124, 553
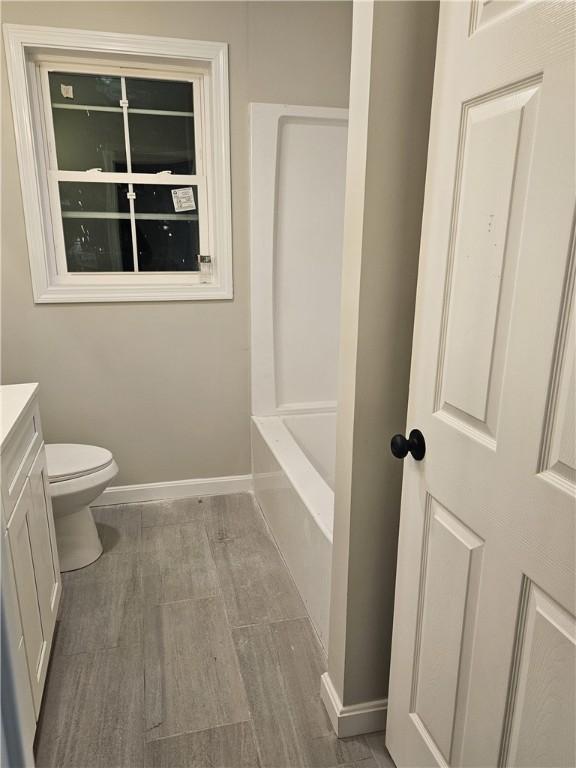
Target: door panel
485, 12
489, 200
541, 707
453, 562
17, 690
484, 634
559, 444
43, 544
23, 567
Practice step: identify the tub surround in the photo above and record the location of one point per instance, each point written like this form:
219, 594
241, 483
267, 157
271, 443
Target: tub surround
298, 159
297, 177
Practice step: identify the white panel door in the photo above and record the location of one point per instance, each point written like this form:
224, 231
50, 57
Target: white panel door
484, 649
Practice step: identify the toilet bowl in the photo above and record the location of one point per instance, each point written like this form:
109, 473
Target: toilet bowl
77, 476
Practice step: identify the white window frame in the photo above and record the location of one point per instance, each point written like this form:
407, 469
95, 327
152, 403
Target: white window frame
54, 176
31, 52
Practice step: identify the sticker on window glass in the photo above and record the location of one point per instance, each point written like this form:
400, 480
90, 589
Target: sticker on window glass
67, 91
183, 199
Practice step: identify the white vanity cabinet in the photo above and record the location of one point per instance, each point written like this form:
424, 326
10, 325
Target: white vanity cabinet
31, 583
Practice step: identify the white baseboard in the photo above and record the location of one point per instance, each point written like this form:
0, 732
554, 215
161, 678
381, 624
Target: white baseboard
353, 719
175, 489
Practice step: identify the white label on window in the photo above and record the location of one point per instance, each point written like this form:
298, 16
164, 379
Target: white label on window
67, 91
183, 199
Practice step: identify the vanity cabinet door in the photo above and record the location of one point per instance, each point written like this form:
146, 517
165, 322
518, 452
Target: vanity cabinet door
23, 569
17, 704
43, 545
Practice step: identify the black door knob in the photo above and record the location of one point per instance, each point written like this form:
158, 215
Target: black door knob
415, 445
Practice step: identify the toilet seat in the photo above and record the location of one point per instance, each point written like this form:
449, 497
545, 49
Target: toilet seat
67, 461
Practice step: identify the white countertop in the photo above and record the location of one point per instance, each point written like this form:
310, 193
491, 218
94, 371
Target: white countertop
13, 401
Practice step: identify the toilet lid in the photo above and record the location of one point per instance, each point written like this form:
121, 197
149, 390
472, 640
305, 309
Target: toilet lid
68, 460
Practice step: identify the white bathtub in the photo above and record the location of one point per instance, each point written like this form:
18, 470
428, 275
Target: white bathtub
293, 459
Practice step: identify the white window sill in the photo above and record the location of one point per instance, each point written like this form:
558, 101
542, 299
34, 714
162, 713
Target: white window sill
73, 294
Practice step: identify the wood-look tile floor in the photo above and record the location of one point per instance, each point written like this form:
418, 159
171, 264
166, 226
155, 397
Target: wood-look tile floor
186, 645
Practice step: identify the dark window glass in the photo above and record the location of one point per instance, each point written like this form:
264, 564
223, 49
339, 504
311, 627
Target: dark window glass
158, 198
86, 139
98, 245
77, 196
162, 143
165, 95
167, 245
93, 90
89, 133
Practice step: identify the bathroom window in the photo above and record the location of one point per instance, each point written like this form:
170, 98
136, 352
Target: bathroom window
127, 173
128, 162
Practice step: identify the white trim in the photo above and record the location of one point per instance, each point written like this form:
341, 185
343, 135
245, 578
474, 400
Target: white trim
133, 110
22, 43
318, 406
111, 177
353, 719
126, 216
174, 489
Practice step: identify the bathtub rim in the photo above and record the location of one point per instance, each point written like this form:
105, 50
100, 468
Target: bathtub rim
313, 490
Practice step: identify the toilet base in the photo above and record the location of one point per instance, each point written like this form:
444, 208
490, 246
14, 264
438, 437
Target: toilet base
77, 539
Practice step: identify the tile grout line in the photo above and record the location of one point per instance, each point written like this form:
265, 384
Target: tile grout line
104, 649
227, 617
172, 525
193, 733
323, 652
237, 658
256, 742
266, 531
306, 617
198, 497
140, 553
205, 519
270, 622
182, 600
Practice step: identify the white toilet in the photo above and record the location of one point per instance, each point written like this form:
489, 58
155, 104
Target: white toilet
78, 474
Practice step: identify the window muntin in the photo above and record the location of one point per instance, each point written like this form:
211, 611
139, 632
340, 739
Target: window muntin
113, 190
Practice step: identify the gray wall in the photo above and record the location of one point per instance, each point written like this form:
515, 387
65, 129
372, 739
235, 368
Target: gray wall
165, 386
393, 50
